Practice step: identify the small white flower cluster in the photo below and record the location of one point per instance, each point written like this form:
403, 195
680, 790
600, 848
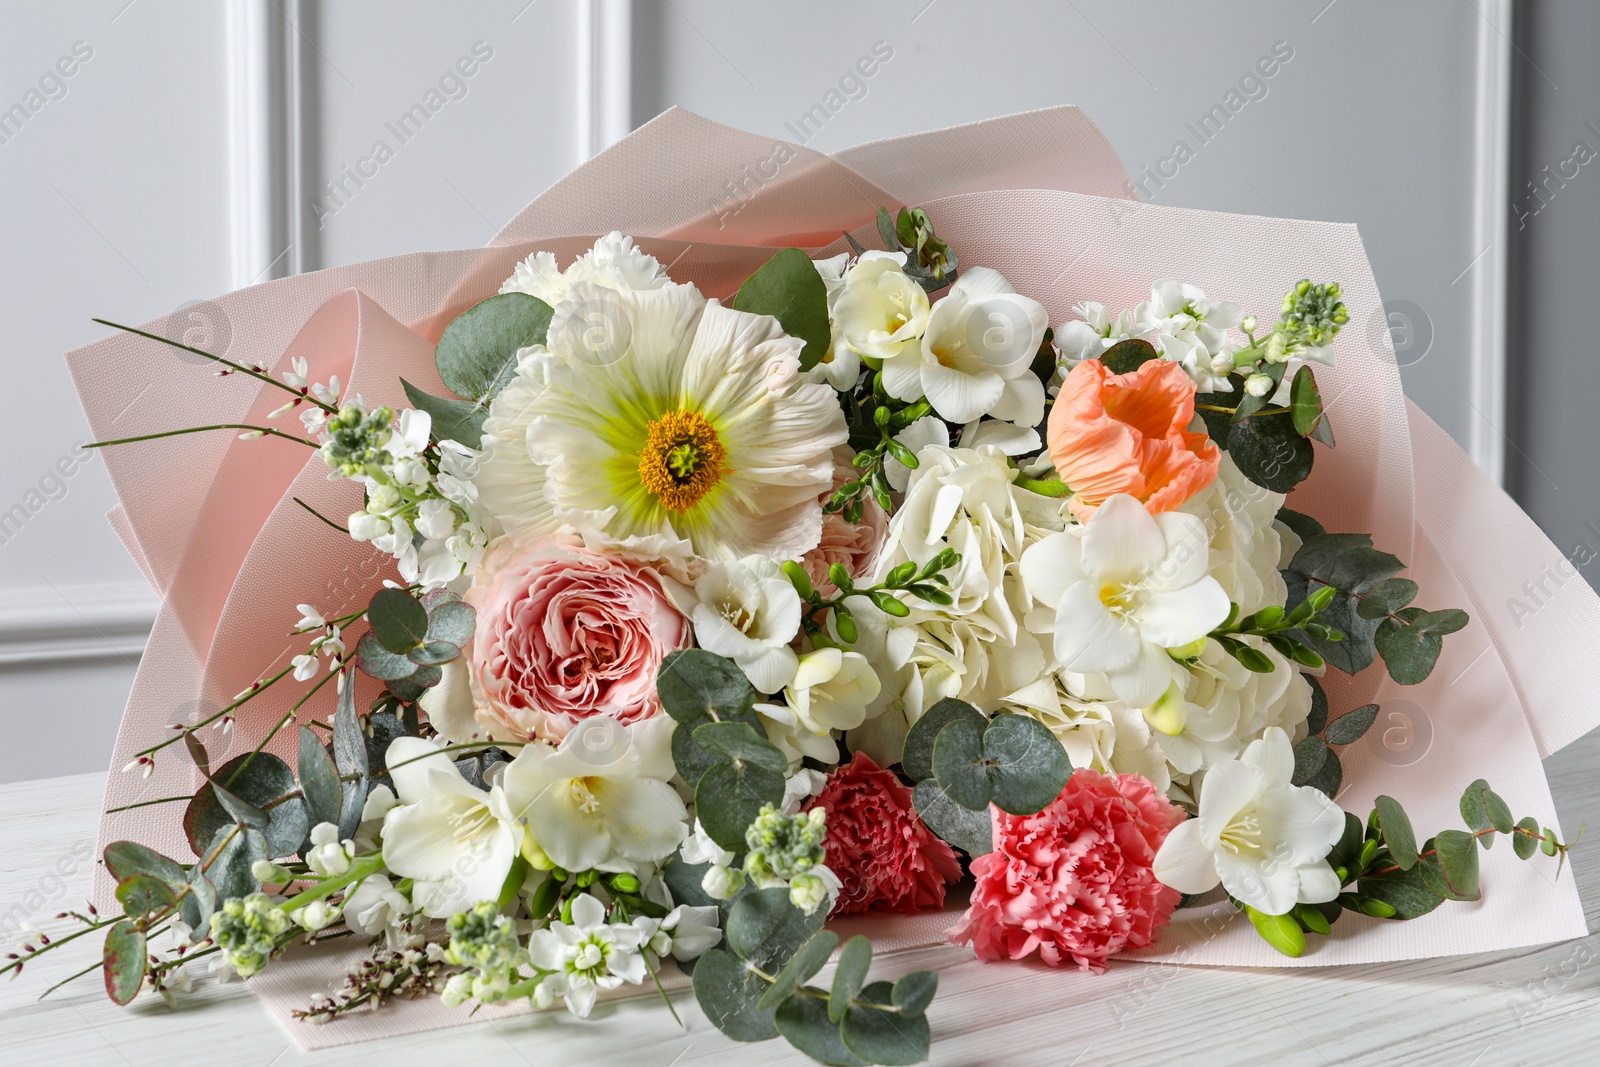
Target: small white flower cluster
326, 396
328, 643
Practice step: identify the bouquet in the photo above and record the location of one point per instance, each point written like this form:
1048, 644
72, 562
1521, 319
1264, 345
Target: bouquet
653, 600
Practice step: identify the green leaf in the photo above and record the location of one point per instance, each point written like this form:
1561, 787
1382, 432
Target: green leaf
1318, 718
731, 997
970, 831
452, 621
788, 288
765, 928
1410, 654
142, 894
1348, 728
123, 963
197, 905
1304, 526
453, 420
230, 870
741, 741
914, 992
1312, 919
1309, 756
1361, 568
1028, 768
730, 795
855, 959
917, 758
1270, 453
379, 662
124, 859
884, 1037
1397, 832
800, 969
685, 882
1404, 891
1127, 356
1317, 555
255, 780
1347, 852
1305, 402
433, 653
1482, 808
960, 767
1387, 597
696, 682
886, 230
477, 354
319, 779
1522, 843
350, 758
804, 1023
410, 688
1327, 777
1356, 652
398, 621
1447, 621
1452, 871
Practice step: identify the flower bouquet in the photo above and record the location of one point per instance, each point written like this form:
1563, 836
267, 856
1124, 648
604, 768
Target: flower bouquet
788, 553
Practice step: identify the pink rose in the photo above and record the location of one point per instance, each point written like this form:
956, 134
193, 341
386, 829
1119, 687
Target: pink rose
565, 633
878, 845
854, 544
1074, 881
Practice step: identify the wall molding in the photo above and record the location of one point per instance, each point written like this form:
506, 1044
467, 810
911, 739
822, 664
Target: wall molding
51, 624
1491, 217
605, 75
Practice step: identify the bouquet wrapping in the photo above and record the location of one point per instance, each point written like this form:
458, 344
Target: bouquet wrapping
222, 529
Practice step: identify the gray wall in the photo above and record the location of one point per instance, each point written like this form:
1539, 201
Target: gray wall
1553, 358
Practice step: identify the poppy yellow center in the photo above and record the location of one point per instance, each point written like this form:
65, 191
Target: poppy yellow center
682, 460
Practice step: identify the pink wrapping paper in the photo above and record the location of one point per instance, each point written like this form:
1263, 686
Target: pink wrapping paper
1040, 196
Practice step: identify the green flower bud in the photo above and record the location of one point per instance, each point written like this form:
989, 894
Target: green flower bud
247, 929
484, 939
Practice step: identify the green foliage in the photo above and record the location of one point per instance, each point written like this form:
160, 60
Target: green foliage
398, 620
1269, 451
143, 894
695, 682
1350, 727
788, 288
319, 779
1128, 355
729, 796
1398, 836
477, 353
1014, 762
350, 760
876, 1033
803, 1021
807, 960
916, 759
963, 828
256, 789
124, 859
453, 420
123, 962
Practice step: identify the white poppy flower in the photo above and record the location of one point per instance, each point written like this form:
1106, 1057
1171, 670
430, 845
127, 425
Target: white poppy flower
749, 612
587, 955
455, 841
1125, 588
976, 354
613, 262
1265, 840
600, 795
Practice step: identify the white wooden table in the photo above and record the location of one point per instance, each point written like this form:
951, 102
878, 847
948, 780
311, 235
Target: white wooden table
1536, 1006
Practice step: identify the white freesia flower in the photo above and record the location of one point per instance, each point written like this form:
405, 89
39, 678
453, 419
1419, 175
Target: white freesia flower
376, 908
749, 612
881, 311
455, 841
1265, 840
587, 955
687, 932
840, 366
1123, 589
613, 262
698, 848
830, 691
328, 856
601, 795
976, 353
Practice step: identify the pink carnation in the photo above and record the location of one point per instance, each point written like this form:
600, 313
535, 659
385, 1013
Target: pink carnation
854, 544
1074, 881
565, 633
878, 845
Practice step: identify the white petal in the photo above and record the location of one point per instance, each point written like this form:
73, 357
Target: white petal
769, 669
1142, 682
960, 397
1121, 541
1318, 884
1188, 551
449, 705
1184, 862
1229, 788
1089, 638
1268, 887
587, 912
1022, 402
1011, 439
1051, 566
1179, 616
1272, 755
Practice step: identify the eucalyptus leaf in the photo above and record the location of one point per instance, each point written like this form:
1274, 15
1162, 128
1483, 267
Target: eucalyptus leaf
801, 968
884, 1037
1309, 756
917, 756
452, 621
730, 996
1318, 718
1523, 844
1028, 767
741, 741
1128, 355
143, 894
1305, 402
199, 902
690, 760
1397, 833
124, 859
1346, 852
914, 992
970, 831
477, 353
253, 780
1329, 776
960, 767
855, 960
1404, 891
1387, 597
319, 779
804, 1023
232, 855
433, 653
1361, 568
123, 963
380, 663
1270, 453
1483, 808
1304, 526
1452, 871
788, 288
730, 795
453, 420
1317, 555
350, 758
1348, 728
696, 682
398, 621
1411, 654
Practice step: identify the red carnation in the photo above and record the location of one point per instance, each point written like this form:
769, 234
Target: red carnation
878, 846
